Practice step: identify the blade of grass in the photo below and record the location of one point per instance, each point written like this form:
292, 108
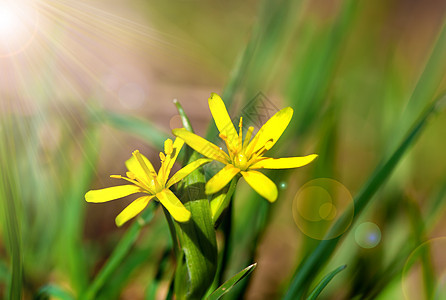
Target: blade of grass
261, 52
53, 292
324, 282
428, 83
119, 253
315, 73
74, 211
9, 196
310, 266
139, 127
229, 284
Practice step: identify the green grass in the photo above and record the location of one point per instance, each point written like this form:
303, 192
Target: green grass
366, 99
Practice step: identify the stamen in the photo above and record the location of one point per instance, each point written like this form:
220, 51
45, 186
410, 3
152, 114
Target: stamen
168, 147
240, 134
162, 157
230, 149
248, 137
116, 176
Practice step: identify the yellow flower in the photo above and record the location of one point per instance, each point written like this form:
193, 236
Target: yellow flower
144, 179
244, 156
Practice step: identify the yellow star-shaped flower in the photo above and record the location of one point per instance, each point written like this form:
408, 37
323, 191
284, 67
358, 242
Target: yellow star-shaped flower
244, 156
145, 180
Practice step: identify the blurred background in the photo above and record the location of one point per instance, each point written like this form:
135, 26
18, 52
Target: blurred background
84, 83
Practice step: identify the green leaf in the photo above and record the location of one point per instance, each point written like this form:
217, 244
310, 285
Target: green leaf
324, 282
197, 236
139, 127
227, 286
119, 253
53, 291
11, 206
310, 266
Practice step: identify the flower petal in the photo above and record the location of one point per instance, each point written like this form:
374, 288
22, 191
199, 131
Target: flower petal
135, 167
201, 145
173, 205
171, 156
221, 179
271, 130
111, 193
261, 184
284, 162
222, 119
132, 210
187, 170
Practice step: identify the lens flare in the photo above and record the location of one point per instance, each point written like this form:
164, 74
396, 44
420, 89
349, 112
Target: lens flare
319, 205
18, 25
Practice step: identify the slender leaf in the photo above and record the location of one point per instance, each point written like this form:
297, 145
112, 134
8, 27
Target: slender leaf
10, 203
324, 282
197, 236
308, 269
227, 286
137, 126
53, 292
119, 253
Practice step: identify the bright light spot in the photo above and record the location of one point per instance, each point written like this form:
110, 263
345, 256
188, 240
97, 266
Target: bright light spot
18, 22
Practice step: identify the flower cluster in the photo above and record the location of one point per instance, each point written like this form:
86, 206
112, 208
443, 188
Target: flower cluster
244, 157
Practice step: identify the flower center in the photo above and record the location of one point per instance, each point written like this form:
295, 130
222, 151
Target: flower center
241, 161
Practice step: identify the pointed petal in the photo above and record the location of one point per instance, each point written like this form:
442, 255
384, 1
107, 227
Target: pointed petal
111, 193
222, 119
261, 184
187, 170
271, 130
284, 162
201, 145
132, 210
135, 167
173, 205
221, 179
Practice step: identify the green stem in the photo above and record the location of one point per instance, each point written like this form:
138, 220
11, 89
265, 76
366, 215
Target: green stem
173, 233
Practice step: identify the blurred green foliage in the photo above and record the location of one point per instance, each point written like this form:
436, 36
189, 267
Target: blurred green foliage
364, 83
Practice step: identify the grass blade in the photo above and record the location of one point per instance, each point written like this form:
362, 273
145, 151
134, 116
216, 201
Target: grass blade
139, 127
227, 286
119, 253
10, 199
324, 282
309, 268
53, 292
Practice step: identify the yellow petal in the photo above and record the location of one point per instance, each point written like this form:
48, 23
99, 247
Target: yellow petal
283, 163
221, 179
186, 171
173, 205
272, 130
261, 184
135, 167
222, 119
170, 158
111, 193
201, 145
132, 210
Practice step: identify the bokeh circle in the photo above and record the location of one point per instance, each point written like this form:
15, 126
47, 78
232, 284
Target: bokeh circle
367, 235
319, 204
